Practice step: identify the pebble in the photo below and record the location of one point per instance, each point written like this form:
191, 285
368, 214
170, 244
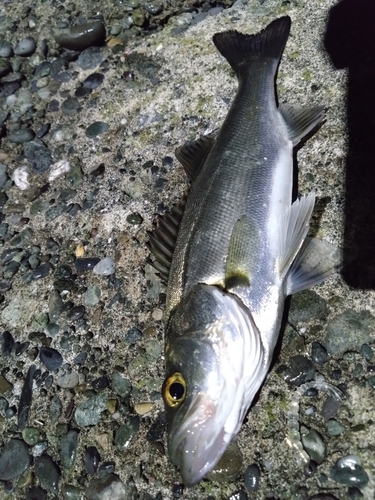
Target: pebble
93, 81
95, 129
74, 177
330, 407
48, 473
87, 264
143, 408
348, 332
238, 495
68, 380
252, 477
6, 49
229, 466
55, 305
348, 470
134, 219
90, 58
41, 271
92, 295
92, 459
21, 136
51, 358
76, 313
31, 435
300, 370
108, 487
334, 428
81, 36
89, 412
26, 398
71, 492
126, 433
306, 306
5, 67
25, 47
7, 344
70, 106
318, 353
313, 444
121, 385
105, 267
14, 459
367, 352
38, 155
68, 448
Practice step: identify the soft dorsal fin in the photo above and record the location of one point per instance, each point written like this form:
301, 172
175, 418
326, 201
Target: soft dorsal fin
295, 229
301, 121
193, 153
163, 239
240, 251
316, 261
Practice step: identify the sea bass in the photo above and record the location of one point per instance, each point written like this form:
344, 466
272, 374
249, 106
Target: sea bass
232, 254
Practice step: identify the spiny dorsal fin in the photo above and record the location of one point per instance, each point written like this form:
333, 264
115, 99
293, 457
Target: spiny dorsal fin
193, 153
237, 267
301, 121
163, 239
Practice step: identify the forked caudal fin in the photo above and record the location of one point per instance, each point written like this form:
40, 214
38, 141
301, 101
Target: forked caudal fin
239, 49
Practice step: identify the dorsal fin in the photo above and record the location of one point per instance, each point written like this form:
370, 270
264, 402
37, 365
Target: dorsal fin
193, 153
163, 239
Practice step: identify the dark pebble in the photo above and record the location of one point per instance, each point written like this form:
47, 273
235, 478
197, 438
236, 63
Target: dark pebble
21, 136
85, 264
25, 47
92, 459
299, 371
41, 271
238, 495
305, 306
103, 487
7, 344
14, 460
70, 106
44, 129
38, 155
54, 212
133, 335
55, 305
54, 105
323, 496
26, 398
82, 92
5, 67
134, 219
5, 285
330, 408
318, 353
252, 477
95, 129
76, 313
11, 269
90, 58
354, 493
6, 49
48, 473
68, 449
178, 490
55, 409
82, 36
36, 493
106, 468
8, 254
51, 358
100, 383
93, 81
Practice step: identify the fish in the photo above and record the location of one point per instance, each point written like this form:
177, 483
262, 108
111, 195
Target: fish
232, 252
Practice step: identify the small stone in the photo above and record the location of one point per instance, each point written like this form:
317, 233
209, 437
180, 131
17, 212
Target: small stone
48, 473
229, 466
68, 449
238, 495
71, 492
68, 380
76, 313
93, 81
39, 156
299, 371
106, 487
334, 428
31, 435
89, 412
86, 264
41, 271
143, 408
51, 358
367, 352
105, 267
95, 129
348, 470
14, 460
70, 106
318, 353
92, 459
74, 177
81, 36
6, 49
313, 444
25, 47
134, 219
121, 385
252, 477
126, 433
7, 344
92, 295
90, 58
306, 306
55, 305
26, 398
21, 136
5, 67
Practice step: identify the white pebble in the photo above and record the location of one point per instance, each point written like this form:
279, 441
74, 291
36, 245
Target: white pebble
105, 267
59, 168
19, 178
157, 314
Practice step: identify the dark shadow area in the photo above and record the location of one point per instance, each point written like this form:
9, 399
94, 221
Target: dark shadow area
350, 42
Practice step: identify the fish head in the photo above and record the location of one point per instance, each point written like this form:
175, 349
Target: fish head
215, 366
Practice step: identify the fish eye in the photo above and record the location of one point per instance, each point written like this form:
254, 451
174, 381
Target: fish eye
174, 390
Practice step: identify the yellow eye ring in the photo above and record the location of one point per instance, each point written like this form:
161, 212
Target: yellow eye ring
174, 390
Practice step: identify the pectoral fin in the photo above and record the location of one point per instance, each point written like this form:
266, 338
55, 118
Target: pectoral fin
301, 121
295, 229
314, 263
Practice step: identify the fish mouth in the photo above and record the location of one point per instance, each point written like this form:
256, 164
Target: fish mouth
200, 441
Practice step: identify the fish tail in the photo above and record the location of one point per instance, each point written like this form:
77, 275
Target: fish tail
241, 50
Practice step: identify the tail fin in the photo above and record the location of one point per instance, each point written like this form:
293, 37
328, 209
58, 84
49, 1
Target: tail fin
239, 49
